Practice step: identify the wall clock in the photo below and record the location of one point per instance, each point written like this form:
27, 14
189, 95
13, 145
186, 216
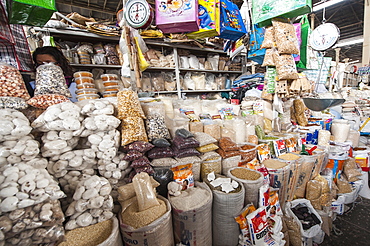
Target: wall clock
138, 13
324, 36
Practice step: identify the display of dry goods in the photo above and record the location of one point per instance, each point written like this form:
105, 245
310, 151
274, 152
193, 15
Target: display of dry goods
11, 82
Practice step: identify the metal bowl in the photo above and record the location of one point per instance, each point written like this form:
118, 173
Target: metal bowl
319, 104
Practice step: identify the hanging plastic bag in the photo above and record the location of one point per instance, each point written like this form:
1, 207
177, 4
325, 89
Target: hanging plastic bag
30, 12
255, 52
143, 64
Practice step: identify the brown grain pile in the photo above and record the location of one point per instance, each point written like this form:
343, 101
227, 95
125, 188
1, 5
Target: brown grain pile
243, 173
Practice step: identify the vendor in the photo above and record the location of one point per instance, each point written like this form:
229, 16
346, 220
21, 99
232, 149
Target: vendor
52, 54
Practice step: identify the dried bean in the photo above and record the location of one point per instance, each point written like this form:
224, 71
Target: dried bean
11, 82
156, 127
13, 102
50, 80
45, 101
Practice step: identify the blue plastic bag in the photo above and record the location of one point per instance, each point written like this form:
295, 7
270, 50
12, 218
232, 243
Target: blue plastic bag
255, 53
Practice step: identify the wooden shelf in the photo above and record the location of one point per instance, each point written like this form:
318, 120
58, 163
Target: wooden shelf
191, 91
95, 65
208, 71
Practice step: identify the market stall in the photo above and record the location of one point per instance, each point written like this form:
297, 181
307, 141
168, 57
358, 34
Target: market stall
162, 136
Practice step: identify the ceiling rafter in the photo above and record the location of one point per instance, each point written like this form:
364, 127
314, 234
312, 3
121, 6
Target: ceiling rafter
82, 5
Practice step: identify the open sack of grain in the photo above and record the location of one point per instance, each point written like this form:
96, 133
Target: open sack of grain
101, 234
192, 215
228, 200
145, 219
251, 179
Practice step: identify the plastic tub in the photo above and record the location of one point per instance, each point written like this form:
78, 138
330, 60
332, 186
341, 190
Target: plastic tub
111, 88
87, 96
109, 77
82, 80
110, 83
85, 86
82, 74
86, 91
110, 94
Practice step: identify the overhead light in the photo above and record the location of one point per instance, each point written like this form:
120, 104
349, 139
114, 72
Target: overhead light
325, 5
347, 42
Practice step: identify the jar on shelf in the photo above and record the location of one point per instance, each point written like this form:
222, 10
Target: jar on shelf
82, 74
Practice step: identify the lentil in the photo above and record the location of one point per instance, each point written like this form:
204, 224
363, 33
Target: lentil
243, 173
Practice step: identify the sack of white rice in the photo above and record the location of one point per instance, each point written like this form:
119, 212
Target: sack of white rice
192, 216
224, 209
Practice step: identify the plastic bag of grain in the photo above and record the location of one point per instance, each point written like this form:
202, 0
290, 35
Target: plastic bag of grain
225, 207
159, 232
192, 216
230, 162
252, 181
307, 163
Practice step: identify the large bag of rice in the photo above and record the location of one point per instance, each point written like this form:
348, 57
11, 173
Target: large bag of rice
192, 216
224, 209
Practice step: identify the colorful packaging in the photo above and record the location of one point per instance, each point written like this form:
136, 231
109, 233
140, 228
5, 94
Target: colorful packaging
232, 25
258, 224
176, 16
279, 147
243, 224
263, 152
209, 19
183, 174
270, 199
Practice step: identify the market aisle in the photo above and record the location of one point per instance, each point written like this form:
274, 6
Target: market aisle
355, 226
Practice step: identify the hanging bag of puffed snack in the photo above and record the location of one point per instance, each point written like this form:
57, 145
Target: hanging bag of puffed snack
285, 66
129, 105
269, 38
285, 36
133, 129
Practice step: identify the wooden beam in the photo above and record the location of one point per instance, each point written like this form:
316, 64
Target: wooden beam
92, 7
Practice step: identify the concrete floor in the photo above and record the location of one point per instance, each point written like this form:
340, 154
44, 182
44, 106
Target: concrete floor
354, 225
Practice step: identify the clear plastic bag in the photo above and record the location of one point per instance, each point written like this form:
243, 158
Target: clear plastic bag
132, 130
199, 80
158, 152
129, 105
181, 153
210, 166
110, 50
183, 133
146, 83
157, 82
268, 60
140, 146
226, 144
285, 66
227, 154
13, 103
161, 142
286, 38
269, 39
50, 80
132, 155
45, 101
140, 162
207, 148
11, 82
156, 127
184, 143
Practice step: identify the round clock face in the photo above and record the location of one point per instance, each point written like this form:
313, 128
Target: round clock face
137, 13
324, 36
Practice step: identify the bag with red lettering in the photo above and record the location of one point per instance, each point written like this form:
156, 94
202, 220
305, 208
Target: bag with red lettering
259, 228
